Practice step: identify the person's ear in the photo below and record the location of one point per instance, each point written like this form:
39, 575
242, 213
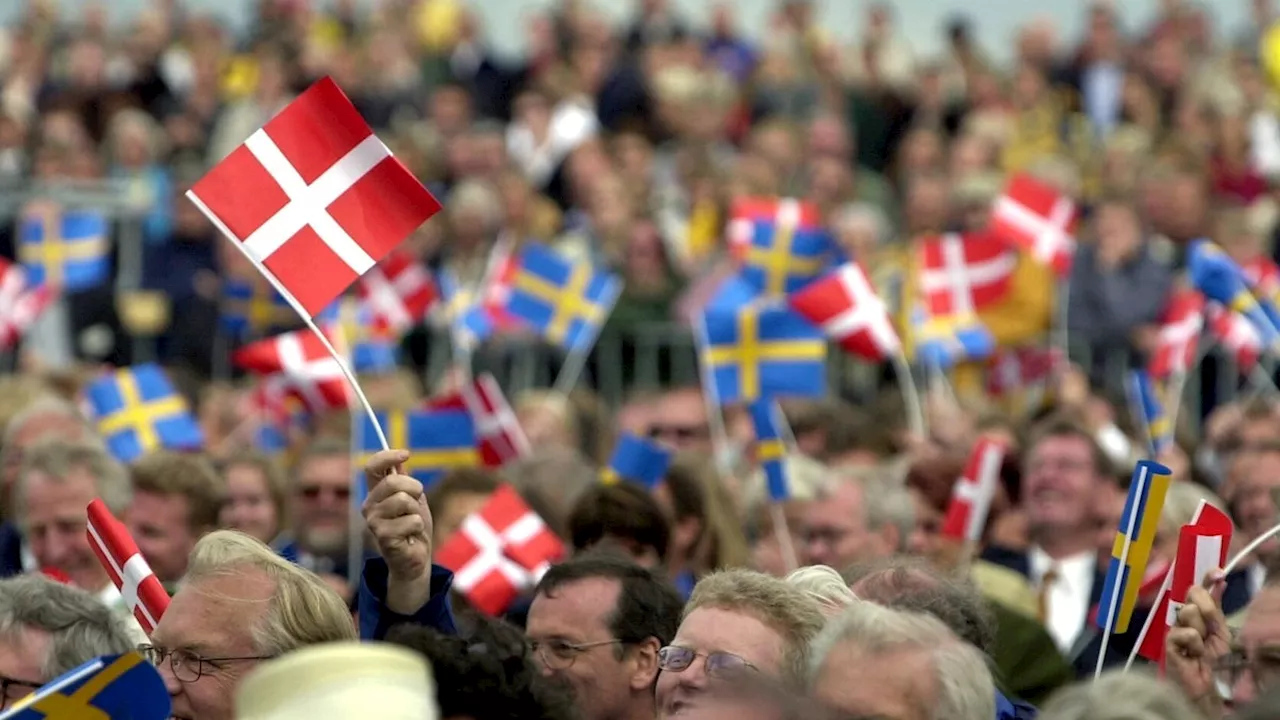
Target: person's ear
644, 663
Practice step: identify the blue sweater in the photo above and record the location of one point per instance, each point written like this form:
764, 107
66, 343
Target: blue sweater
376, 619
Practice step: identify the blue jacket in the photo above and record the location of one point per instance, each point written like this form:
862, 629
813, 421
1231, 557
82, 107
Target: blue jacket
376, 619
1007, 709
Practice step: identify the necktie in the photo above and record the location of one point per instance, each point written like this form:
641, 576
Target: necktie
1042, 597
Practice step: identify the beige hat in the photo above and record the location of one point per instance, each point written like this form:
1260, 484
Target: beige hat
339, 681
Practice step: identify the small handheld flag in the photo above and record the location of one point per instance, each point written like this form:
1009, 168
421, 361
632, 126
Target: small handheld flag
1149, 411
119, 555
1037, 219
752, 352
850, 312
567, 302
66, 250
771, 447
781, 244
437, 440
21, 303
1132, 547
1221, 279
637, 460
138, 410
971, 496
119, 687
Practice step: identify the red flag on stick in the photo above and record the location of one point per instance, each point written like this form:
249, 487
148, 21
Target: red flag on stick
119, 555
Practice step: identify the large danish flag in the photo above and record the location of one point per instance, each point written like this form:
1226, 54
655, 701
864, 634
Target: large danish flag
1037, 219
314, 197
962, 274
850, 312
398, 292
499, 552
971, 496
1179, 337
20, 304
498, 433
138, 585
296, 364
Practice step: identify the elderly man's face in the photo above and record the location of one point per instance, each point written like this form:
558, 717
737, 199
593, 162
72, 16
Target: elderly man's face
209, 625
896, 686
161, 526
55, 522
22, 656
712, 631
322, 495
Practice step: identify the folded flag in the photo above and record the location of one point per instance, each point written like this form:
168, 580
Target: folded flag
113, 687
138, 585
398, 292
972, 494
781, 244
762, 351
1012, 369
296, 365
1038, 220
137, 410
1221, 279
943, 342
962, 274
21, 303
499, 552
850, 313
637, 460
253, 308
501, 439
437, 440
314, 198
1132, 546
1179, 338
1148, 411
771, 447
566, 301
64, 249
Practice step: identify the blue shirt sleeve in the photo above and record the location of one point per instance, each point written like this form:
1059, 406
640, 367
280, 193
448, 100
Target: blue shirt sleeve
376, 619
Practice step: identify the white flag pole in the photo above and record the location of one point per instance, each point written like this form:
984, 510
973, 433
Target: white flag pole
1131, 524
910, 394
567, 378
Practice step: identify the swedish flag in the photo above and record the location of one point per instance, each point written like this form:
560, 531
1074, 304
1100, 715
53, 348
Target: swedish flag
785, 252
469, 324
138, 410
1221, 279
437, 440
254, 309
1149, 412
120, 687
66, 249
371, 353
637, 460
1132, 547
944, 342
568, 302
771, 448
756, 351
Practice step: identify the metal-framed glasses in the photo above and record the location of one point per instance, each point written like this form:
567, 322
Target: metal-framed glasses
189, 667
560, 654
1264, 670
716, 664
12, 689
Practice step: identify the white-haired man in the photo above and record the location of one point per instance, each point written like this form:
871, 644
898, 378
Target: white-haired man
862, 514
877, 662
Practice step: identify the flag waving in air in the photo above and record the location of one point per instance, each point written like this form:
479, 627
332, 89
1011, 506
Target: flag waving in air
1221, 279
1132, 547
753, 351
397, 292
1179, 337
1149, 411
498, 432
119, 687
962, 274
1037, 219
21, 303
137, 410
296, 365
637, 460
771, 433
437, 440
848, 310
139, 587
568, 302
971, 496
781, 243
1236, 334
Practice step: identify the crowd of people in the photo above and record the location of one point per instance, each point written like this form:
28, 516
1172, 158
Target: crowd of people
704, 595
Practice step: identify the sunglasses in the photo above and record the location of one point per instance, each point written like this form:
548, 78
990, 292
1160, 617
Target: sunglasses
313, 492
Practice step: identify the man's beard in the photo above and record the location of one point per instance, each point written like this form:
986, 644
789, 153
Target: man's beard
327, 541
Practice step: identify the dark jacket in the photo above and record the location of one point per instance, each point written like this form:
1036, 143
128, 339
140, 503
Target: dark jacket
376, 619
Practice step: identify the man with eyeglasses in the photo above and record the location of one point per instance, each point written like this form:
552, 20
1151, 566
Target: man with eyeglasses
46, 629
596, 624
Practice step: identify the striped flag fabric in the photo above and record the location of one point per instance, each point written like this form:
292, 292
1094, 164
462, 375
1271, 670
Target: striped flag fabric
141, 589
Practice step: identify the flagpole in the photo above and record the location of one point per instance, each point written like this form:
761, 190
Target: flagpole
355, 520
1151, 616
782, 528
570, 371
1116, 586
1248, 550
910, 394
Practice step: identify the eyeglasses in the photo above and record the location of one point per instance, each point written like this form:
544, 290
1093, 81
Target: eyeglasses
560, 654
678, 432
716, 664
15, 689
1264, 671
189, 667
313, 492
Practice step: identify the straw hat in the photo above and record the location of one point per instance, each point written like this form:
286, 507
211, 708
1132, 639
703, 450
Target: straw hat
338, 681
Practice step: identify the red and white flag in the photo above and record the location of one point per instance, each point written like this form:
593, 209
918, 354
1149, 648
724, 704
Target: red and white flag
1263, 276
495, 287
499, 552
1179, 338
1013, 369
849, 312
314, 197
20, 304
1038, 220
962, 274
971, 496
398, 292
138, 585
498, 434
296, 365
1236, 334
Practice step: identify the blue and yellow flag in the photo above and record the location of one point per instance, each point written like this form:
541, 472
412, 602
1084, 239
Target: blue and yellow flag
254, 310
67, 249
567, 302
785, 247
637, 460
1132, 547
120, 687
137, 410
1148, 411
371, 353
771, 447
753, 352
437, 440
1216, 275
944, 342
469, 323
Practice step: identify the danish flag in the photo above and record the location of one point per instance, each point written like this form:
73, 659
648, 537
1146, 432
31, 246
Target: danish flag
1202, 547
498, 434
962, 274
1263, 276
1236, 334
1038, 220
314, 198
296, 365
138, 585
398, 293
971, 496
499, 277
1012, 369
20, 304
848, 310
499, 552
1179, 336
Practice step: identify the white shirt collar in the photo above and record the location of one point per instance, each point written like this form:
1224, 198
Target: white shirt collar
1074, 571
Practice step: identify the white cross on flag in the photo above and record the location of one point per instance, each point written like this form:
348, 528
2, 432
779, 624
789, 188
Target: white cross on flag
1179, 336
296, 365
20, 304
314, 198
398, 292
849, 312
498, 434
139, 587
1236, 334
499, 552
962, 274
1037, 219
1012, 369
972, 494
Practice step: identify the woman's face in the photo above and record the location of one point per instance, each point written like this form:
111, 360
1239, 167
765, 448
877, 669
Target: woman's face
249, 508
